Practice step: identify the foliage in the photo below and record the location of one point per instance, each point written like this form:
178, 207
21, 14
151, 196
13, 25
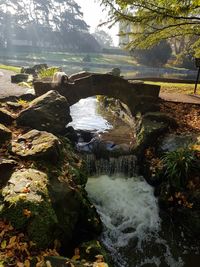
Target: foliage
16, 249
180, 199
55, 24
158, 55
178, 166
23, 103
155, 20
47, 73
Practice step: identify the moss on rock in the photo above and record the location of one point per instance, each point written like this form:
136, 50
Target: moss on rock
27, 205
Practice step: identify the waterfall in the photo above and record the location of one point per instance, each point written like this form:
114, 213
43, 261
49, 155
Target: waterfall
123, 164
130, 215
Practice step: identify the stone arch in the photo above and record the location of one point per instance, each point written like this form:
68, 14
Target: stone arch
132, 94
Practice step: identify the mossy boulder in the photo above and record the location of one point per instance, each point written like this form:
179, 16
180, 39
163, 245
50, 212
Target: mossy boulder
27, 205
37, 144
49, 112
5, 134
50, 202
148, 133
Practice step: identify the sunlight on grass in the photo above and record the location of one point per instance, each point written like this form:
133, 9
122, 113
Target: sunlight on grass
12, 68
180, 88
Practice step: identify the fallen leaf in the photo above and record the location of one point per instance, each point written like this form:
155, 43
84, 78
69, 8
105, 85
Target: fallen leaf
27, 213
27, 263
3, 244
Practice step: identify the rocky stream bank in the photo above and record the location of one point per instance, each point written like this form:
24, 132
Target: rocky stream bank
43, 181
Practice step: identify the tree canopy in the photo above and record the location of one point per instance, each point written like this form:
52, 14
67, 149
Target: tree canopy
57, 23
155, 20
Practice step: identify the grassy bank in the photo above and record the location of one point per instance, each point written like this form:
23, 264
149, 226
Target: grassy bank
11, 68
73, 57
179, 88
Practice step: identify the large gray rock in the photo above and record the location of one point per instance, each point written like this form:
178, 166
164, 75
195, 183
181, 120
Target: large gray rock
173, 142
5, 134
48, 207
49, 112
5, 116
36, 144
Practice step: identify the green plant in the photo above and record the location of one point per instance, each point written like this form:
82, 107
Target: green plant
48, 73
178, 165
26, 84
157, 55
23, 103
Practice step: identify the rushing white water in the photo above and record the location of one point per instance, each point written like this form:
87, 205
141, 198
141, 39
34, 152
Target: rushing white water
130, 214
133, 232
127, 207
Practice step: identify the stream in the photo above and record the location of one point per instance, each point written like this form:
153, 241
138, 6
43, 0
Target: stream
136, 232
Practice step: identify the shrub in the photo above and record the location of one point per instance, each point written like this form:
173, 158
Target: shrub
23, 103
178, 165
48, 73
158, 55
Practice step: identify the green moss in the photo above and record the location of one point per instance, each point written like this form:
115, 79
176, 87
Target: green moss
42, 227
37, 218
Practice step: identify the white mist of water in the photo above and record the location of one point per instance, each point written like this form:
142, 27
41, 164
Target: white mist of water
130, 214
127, 207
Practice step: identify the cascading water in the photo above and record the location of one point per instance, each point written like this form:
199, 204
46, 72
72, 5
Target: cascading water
130, 214
123, 164
134, 233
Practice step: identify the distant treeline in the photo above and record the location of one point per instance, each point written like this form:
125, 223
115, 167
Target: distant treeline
34, 25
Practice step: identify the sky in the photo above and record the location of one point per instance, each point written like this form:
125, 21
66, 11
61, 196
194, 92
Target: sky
93, 14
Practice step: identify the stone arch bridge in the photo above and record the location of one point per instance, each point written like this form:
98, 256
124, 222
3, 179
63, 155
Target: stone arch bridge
137, 96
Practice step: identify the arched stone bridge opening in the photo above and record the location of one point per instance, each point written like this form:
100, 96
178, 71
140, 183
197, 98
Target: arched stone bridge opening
135, 95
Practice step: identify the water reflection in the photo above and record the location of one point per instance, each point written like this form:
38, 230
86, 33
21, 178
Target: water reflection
85, 115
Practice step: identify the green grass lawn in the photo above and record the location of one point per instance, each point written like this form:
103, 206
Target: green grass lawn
74, 57
180, 88
12, 68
